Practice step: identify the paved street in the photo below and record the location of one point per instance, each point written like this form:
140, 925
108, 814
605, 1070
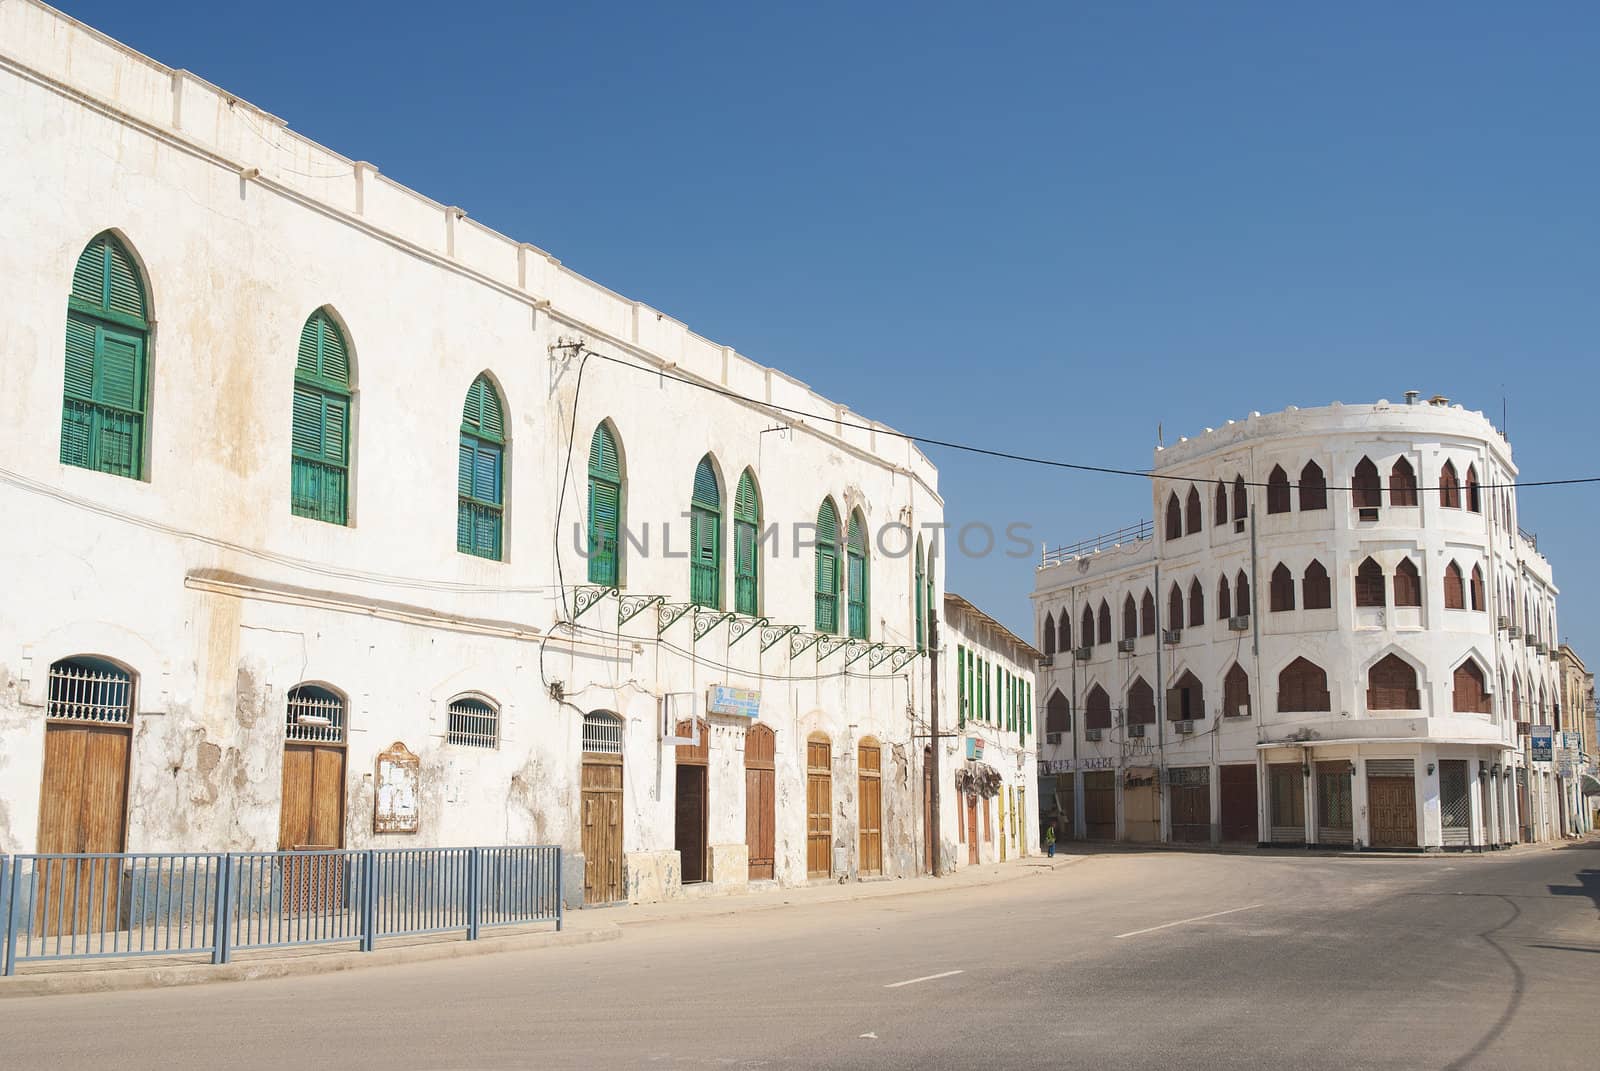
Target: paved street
1159, 959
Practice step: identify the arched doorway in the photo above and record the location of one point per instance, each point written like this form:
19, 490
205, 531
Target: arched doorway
819, 806
692, 807
84, 795
869, 805
760, 793
311, 818
602, 808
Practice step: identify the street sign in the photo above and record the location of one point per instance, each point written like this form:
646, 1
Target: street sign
1539, 739
739, 702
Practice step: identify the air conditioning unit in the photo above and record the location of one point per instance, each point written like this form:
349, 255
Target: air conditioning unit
1240, 711
1126, 646
1367, 513
1136, 731
1542, 648
1082, 653
1505, 623
1238, 525
1239, 624
1172, 635
1185, 726
1047, 661
1091, 734
1514, 632
1052, 738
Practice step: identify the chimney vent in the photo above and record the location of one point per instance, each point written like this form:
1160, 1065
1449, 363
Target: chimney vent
1412, 396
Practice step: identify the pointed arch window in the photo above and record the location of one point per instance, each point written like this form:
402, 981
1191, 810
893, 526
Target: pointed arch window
480, 472
1191, 512
746, 546
1147, 614
1097, 709
1236, 693
1197, 603
827, 578
104, 389
1313, 488
1402, 484
1365, 490
1371, 586
1449, 487
1303, 688
1474, 498
1086, 627
1455, 593
1141, 703
1065, 627
1224, 598
1174, 517
705, 537
1186, 699
1278, 490
1407, 584
1130, 618
1241, 594
606, 504
917, 582
1175, 607
1104, 635
1392, 685
1241, 505
1281, 594
1476, 590
1219, 514
1470, 693
1048, 634
1057, 714
860, 594
320, 469
1317, 590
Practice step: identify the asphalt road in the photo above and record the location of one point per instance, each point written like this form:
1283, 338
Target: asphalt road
1159, 959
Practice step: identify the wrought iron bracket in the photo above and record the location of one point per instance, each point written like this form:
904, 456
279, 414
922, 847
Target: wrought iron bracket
902, 656
880, 654
668, 613
586, 596
801, 641
742, 627
771, 635
857, 648
631, 606
706, 620
827, 645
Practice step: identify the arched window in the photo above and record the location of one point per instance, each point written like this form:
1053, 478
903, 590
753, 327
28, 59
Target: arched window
1449, 487
605, 508
1048, 634
1278, 490
1174, 517
1086, 627
1455, 594
1281, 592
1392, 685
1317, 591
1241, 594
480, 473
1066, 630
1175, 607
747, 551
1224, 598
1303, 688
1313, 488
319, 479
90, 690
1058, 714
860, 582
1220, 512
1191, 512
1186, 699
1197, 603
827, 570
1516, 698
1130, 618
1241, 505
1371, 588
1477, 589
602, 733
1097, 709
1105, 623
473, 722
1474, 500
107, 350
1471, 691
1365, 490
314, 715
705, 537
1407, 584
1141, 703
1147, 614
1236, 693
1402, 484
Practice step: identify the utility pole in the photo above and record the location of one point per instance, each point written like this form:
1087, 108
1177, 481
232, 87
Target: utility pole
936, 779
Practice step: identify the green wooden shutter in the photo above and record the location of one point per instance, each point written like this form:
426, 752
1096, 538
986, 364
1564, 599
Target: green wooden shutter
103, 381
747, 557
605, 507
858, 594
320, 436
480, 491
705, 537
827, 569
921, 628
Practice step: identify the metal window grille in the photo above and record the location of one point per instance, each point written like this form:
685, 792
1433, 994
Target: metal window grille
92, 692
473, 723
315, 715
602, 734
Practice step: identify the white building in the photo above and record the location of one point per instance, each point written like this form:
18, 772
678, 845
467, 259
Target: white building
299, 465
1334, 633
986, 699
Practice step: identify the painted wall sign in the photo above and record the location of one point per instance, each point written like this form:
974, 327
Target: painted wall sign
1061, 766
739, 702
395, 808
974, 748
1539, 742
1574, 741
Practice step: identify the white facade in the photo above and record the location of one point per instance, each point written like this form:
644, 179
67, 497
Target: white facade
199, 581
1295, 761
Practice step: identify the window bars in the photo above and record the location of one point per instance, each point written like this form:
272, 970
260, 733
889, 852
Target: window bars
602, 734
315, 716
473, 723
90, 691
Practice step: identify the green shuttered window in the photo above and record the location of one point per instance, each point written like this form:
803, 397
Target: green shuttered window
922, 614
705, 537
827, 571
605, 507
961, 685
104, 388
319, 482
480, 473
746, 552
856, 556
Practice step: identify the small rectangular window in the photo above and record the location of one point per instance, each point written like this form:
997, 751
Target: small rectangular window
473, 723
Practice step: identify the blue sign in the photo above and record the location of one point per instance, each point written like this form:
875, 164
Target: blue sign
739, 702
1539, 741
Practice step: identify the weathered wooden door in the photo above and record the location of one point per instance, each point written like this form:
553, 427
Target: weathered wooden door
83, 808
869, 805
1237, 798
692, 808
1190, 803
1141, 814
1100, 805
1392, 802
760, 791
819, 808
602, 829
972, 826
312, 815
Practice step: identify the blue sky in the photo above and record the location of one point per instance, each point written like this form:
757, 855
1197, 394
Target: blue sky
1042, 228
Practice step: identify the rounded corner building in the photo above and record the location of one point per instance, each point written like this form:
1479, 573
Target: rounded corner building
1334, 633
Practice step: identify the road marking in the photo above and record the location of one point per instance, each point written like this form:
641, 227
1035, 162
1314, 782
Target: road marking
1180, 922
924, 978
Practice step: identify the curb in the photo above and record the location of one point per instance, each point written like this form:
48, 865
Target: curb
124, 979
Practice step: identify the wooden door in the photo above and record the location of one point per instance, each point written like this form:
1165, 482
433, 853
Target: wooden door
1190, 803
1392, 802
972, 827
690, 833
869, 806
83, 808
602, 829
1237, 817
760, 794
1286, 803
819, 809
1141, 816
1100, 805
312, 815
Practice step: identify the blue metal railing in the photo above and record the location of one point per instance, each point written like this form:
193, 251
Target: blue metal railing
101, 905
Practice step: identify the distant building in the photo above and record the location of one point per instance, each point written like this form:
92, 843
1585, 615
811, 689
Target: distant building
1580, 785
1334, 633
